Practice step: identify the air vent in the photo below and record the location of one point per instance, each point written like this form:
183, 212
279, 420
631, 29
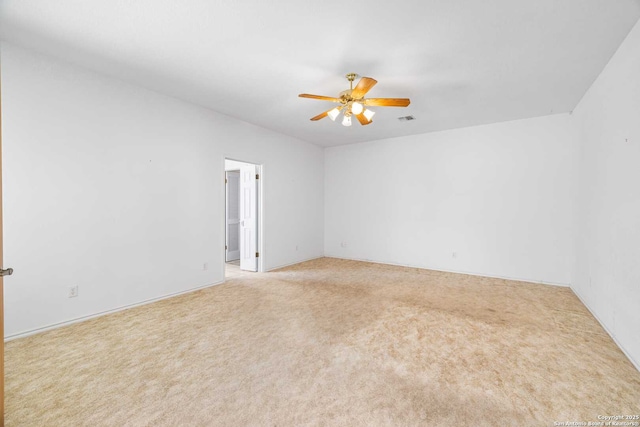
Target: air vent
406, 118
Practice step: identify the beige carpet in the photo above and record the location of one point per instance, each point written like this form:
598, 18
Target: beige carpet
329, 342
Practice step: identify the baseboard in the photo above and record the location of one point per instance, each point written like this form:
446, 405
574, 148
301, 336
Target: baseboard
103, 313
152, 300
294, 263
125, 307
469, 273
613, 337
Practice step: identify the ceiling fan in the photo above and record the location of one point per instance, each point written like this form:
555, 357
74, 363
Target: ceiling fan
352, 102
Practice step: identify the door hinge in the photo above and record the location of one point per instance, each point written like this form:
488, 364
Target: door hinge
257, 176
225, 180
225, 247
257, 254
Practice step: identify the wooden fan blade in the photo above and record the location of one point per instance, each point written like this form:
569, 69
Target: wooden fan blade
323, 98
387, 102
362, 119
363, 86
320, 116
323, 115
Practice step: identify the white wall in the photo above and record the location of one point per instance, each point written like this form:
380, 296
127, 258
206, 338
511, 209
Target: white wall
120, 190
498, 195
607, 246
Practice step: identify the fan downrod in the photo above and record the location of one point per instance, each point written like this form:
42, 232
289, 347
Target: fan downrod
351, 77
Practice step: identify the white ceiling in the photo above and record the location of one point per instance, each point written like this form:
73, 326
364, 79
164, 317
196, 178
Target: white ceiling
462, 62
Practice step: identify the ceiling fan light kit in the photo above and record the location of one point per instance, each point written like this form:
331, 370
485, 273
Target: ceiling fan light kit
369, 114
353, 102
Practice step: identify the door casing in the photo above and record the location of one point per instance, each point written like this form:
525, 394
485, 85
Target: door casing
259, 169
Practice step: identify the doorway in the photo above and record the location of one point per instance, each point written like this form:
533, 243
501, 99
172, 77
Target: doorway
242, 223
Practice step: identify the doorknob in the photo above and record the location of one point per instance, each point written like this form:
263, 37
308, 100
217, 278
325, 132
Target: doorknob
7, 272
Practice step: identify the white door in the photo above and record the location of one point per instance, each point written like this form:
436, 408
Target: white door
233, 216
248, 218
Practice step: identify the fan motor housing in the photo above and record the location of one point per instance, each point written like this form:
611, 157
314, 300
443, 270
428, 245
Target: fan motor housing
345, 95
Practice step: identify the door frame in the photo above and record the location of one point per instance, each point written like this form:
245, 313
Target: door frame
226, 214
1, 281
261, 212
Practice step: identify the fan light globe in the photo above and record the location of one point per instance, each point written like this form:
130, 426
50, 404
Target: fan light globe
369, 114
356, 108
346, 121
333, 114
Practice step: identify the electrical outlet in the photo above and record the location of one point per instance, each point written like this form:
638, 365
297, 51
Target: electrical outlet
343, 244
454, 254
205, 266
73, 291
296, 247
